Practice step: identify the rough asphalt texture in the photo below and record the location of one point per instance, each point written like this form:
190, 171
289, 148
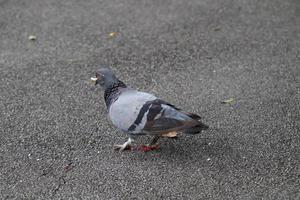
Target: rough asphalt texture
56, 140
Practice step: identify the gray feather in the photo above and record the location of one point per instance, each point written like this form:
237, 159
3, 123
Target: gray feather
124, 111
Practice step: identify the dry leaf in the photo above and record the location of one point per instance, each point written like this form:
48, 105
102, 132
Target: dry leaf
112, 34
170, 134
228, 100
32, 37
217, 28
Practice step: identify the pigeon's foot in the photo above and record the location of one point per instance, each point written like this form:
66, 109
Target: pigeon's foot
172, 134
125, 146
154, 141
146, 148
122, 147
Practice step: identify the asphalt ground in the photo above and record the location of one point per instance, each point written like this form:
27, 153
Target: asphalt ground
56, 140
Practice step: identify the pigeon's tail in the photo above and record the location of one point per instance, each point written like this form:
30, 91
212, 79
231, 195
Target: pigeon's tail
196, 129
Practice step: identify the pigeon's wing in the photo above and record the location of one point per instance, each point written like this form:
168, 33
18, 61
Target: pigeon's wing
129, 108
162, 117
142, 113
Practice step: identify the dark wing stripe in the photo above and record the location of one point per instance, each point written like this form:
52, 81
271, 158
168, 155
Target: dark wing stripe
154, 108
168, 104
193, 116
140, 116
162, 124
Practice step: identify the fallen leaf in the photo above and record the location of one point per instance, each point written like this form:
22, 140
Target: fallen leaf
170, 134
217, 28
112, 34
228, 100
32, 37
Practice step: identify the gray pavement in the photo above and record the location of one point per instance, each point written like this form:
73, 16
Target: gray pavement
56, 140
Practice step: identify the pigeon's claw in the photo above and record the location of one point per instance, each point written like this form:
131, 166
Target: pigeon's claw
125, 146
122, 147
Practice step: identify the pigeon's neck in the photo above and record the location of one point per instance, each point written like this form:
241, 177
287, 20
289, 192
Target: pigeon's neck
112, 92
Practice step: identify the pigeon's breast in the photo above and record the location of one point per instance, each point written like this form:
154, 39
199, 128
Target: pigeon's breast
125, 110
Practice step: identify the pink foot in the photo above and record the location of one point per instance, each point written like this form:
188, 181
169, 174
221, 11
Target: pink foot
145, 148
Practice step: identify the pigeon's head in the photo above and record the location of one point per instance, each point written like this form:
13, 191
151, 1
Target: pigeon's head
105, 78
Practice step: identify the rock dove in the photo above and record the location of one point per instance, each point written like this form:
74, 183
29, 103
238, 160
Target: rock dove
138, 113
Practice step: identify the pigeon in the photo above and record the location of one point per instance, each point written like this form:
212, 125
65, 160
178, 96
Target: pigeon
139, 113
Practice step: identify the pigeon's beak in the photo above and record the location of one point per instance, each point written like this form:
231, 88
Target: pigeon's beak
94, 80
